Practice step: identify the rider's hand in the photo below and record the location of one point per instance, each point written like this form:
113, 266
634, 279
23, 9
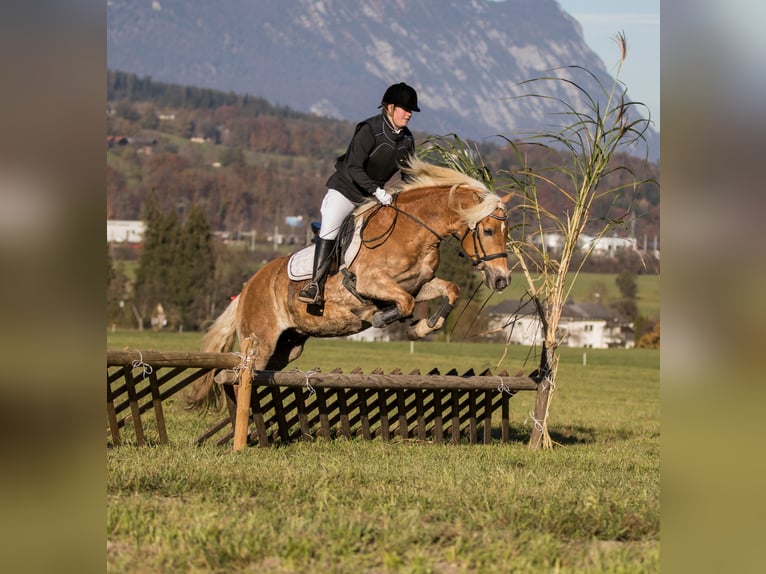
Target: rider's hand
383, 196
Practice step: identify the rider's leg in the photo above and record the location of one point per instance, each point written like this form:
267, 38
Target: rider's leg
313, 292
335, 208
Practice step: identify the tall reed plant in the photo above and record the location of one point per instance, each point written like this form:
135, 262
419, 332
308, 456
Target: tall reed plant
585, 142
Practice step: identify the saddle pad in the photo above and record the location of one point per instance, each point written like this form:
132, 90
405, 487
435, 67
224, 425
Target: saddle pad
300, 266
301, 263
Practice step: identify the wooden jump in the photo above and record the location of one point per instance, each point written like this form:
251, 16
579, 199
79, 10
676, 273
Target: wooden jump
293, 405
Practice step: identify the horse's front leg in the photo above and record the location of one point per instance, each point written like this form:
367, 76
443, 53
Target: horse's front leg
434, 288
381, 287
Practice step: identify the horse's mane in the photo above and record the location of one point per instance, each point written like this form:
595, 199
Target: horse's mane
423, 174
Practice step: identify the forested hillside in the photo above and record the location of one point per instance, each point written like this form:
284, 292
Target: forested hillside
248, 164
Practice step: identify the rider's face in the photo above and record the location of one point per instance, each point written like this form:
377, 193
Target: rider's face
400, 117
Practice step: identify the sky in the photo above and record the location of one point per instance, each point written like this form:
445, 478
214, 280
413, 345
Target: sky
601, 20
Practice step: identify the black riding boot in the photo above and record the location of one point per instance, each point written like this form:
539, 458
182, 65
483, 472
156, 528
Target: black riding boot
313, 293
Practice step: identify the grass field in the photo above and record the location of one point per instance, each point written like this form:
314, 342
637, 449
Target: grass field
589, 505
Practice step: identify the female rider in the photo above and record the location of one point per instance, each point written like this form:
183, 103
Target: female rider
381, 146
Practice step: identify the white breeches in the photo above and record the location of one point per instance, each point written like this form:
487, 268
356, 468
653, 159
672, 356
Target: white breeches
335, 208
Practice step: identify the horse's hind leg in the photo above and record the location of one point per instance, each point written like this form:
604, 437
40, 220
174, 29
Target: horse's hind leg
289, 347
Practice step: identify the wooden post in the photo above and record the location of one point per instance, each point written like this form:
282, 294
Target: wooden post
244, 392
541, 412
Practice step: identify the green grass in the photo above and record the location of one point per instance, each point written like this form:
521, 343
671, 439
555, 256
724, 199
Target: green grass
589, 505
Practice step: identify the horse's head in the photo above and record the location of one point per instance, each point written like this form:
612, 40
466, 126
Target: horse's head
484, 244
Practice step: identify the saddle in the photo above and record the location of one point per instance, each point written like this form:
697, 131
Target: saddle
347, 244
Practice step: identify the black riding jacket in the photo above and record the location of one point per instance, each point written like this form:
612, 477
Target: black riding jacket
374, 155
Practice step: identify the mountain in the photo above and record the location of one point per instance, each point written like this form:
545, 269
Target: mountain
335, 58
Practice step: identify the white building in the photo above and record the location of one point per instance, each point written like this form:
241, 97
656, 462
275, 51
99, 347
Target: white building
124, 231
604, 246
371, 335
587, 325
607, 245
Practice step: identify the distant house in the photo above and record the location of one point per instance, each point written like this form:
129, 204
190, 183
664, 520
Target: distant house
608, 245
124, 231
371, 335
603, 246
587, 325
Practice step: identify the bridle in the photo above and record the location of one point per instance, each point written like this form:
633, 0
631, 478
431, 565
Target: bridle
480, 254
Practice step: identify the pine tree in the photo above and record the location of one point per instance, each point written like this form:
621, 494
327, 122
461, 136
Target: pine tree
155, 273
193, 269
627, 305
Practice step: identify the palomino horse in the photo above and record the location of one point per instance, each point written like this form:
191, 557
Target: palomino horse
394, 269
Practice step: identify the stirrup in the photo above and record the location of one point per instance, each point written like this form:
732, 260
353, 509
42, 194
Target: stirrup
310, 295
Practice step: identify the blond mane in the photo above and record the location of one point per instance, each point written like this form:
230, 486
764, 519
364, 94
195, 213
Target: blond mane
423, 174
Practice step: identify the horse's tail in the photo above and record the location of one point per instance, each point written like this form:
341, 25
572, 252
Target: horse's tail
204, 393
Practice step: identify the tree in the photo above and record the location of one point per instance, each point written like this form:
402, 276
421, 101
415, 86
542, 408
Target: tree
626, 305
650, 339
155, 272
193, 270
117, 292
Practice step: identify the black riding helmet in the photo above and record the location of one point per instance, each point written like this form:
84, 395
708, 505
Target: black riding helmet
401, 95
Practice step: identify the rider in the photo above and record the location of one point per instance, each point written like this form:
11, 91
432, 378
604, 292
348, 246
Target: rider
380, 146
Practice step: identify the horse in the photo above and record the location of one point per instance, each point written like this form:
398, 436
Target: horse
394, 268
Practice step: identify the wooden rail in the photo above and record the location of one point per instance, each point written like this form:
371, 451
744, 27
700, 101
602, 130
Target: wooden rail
294, 405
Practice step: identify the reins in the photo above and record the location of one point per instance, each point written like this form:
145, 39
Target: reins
387, 233
480, 257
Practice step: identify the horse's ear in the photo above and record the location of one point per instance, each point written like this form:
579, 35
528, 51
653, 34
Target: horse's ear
507, 197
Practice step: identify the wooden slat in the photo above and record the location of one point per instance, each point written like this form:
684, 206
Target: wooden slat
364, 414
383, 410
472, 431
134, 408
157, 404
279, 413
402, 411
159, 359
258, 416
111, 416
345, 427
303, 419
420, 414
505, 429
438, 413
382, 381
487, 417
455, 403
324, 416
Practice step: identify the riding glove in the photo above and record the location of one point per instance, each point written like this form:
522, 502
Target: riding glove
383, 196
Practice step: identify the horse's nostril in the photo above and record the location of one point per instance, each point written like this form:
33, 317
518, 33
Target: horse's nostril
501, 283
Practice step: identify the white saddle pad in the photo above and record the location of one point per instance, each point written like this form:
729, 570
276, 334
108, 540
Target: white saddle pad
300, 266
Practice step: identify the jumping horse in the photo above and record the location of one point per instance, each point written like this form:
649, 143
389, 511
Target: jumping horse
394, 268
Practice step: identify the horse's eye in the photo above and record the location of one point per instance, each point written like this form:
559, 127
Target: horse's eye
488, 231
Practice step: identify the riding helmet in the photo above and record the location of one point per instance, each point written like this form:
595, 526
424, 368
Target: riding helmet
401, 95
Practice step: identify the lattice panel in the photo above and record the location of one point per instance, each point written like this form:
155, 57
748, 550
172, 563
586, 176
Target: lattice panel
289, 406
286, 414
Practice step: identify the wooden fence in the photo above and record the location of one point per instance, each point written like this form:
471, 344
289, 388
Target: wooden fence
293, 405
